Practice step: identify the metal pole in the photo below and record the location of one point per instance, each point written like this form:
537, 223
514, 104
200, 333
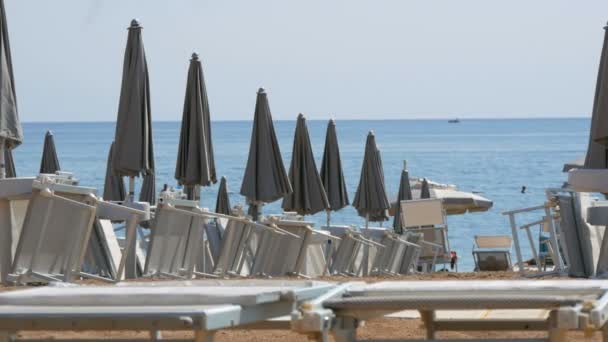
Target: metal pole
366, 248
2, 161
131, 189
520, 261
559, 263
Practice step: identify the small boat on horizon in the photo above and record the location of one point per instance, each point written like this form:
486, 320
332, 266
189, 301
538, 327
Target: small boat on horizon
454, 120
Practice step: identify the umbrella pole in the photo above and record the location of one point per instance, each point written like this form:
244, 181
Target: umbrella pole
328, 217
366, 248
131, 189
2, 161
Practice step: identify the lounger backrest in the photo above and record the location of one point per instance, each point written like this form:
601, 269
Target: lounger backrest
54, 236
495, 241
493, 261
232, 246
423, 212
174, 235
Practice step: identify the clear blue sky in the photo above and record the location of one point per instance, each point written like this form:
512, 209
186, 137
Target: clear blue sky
345, 58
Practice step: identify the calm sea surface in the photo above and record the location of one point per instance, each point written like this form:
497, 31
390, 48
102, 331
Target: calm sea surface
495, 157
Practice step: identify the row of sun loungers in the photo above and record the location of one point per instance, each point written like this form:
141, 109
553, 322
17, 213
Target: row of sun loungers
67, 234
315, 309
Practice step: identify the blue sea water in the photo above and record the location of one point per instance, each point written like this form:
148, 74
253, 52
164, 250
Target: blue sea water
494, 157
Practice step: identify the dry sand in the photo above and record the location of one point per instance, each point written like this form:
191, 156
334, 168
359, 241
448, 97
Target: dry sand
385, 328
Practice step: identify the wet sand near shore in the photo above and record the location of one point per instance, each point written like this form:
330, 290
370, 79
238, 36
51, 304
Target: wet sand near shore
384, 328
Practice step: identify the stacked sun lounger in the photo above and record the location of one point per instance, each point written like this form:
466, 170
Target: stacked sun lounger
316, 309
572, 305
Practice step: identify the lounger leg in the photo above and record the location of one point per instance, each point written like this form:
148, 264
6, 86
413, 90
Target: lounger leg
555, 333
203, 336
345, 330
6, 241
155, 335
428, 318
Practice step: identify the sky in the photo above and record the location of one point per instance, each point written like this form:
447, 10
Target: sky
345, 59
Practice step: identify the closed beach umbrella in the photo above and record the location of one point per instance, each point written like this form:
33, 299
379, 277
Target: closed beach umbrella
9, 164
405, 194
265, 179
308, 196
49, 162
222, 205
195, 164
370, 199
114, 186
11, 133
424, 189
332, 175
133, 153
598, 137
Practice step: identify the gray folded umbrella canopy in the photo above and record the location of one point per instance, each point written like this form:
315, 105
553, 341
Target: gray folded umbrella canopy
9, 164
195, 163
598, 137
405, 194
370, 199
49, 162
308, 196
222, 205
332, 175
265, 179
147, 193
133, 151
424, 189
114, 186
11, 133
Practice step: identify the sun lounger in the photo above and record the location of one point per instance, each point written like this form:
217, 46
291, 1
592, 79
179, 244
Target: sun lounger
177, 240
399, 256
427, 217
560, 224
572, 305
492, 253
346, 255
285, 255
61, 236
202, 307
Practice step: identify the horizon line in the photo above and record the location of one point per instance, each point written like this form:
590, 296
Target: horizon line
350, 119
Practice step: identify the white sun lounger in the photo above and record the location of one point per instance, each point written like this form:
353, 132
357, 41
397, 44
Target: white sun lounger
399, 256
427, 216
199, 306
492, 253
572, 305
56, 234
346, 255
284, 255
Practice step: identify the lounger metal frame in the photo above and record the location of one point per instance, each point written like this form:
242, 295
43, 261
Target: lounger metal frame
550, 220
436, 226
185, 268
226, 311
573, 305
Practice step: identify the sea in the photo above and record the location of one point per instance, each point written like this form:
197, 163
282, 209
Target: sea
495, 157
